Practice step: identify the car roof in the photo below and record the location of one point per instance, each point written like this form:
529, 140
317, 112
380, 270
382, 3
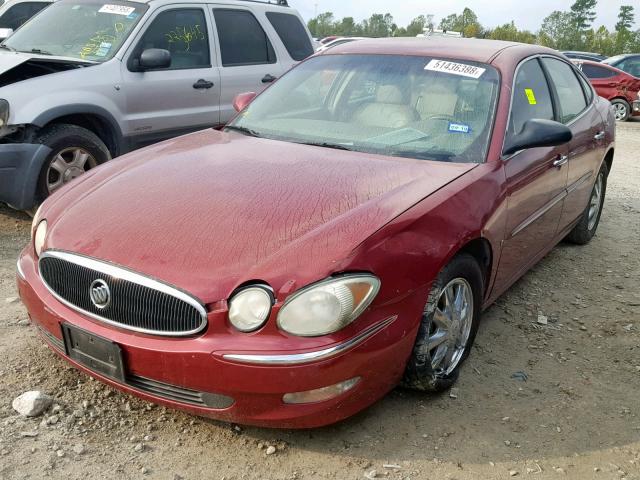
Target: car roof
265, 3
472, 49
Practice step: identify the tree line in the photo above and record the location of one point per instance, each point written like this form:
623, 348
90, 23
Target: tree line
574, 29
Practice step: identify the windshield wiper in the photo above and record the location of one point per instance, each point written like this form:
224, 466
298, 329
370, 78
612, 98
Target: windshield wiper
335, 146
244, 130
7, 47
39, 52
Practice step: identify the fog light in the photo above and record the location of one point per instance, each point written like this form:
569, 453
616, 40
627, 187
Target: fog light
321, 394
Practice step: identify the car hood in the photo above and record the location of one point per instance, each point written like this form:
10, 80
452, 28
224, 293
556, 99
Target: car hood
15, 66
210, 211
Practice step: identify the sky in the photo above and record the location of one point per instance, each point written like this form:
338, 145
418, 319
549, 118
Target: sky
527, 14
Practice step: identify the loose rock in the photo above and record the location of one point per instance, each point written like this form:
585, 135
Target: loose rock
32, 404
271, 450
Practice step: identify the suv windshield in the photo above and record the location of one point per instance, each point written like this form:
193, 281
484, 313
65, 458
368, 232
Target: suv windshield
87, 30
403, 106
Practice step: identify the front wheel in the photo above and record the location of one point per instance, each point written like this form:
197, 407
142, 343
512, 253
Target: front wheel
586, 228
448, 327
74, 150
622, 109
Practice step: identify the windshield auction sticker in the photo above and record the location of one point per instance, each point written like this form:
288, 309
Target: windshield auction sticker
117, 9
455, 68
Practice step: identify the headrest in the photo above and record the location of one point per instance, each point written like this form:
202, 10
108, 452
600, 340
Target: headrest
389, 94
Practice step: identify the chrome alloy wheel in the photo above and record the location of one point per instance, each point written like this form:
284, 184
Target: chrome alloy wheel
620, 111
451, 326
67, 165
595, 204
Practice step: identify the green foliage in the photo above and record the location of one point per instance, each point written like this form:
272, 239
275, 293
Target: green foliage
562, 30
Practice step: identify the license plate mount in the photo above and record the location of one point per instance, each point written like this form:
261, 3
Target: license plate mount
94, 352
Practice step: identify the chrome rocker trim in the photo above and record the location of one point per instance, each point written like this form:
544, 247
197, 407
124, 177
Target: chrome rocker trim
124, 274
302, 358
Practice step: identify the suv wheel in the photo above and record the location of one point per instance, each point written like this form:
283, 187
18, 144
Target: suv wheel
622, 109
74, 150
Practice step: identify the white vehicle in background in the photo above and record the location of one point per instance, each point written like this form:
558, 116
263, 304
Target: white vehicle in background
13, 13
338, 41
440, 33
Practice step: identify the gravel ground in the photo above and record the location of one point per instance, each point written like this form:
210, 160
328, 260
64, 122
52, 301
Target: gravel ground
577, 415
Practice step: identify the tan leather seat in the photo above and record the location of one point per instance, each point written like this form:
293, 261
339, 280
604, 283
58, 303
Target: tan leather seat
437, 98
389, 110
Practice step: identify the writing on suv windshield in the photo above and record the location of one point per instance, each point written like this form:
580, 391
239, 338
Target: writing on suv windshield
88, 31
415, 107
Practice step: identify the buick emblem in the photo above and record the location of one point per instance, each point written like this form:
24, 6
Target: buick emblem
100, 294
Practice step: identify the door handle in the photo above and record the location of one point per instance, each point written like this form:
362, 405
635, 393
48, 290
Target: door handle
202, 84
599, 136
560, 161
268, 78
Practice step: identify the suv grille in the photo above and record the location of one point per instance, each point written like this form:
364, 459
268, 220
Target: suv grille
130, 300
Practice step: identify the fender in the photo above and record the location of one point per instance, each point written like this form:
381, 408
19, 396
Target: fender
84, 109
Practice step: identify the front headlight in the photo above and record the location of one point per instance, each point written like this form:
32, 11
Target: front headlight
249, 309
4, 112
39, 237
328, 306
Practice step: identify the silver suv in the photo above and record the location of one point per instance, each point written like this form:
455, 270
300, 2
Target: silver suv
85, 81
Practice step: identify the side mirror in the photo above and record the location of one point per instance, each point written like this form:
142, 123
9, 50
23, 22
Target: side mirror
155, 58
5, 33
242, 100
539, 133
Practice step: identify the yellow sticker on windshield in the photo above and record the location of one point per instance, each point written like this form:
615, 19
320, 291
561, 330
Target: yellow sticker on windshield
530, 96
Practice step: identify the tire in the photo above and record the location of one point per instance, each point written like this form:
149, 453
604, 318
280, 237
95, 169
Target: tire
622, 109
69, 145
586, 228
423, 372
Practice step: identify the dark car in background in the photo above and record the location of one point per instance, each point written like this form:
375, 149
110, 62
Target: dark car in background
620, 88
595, 57
629, 63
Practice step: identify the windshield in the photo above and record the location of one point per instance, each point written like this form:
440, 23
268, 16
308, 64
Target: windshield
91, 31
405, 106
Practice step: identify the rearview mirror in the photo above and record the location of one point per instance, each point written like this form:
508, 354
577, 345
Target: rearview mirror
242, 100
155, 58
5, 33
539, 133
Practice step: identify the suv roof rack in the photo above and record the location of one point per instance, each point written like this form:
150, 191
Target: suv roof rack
281, 3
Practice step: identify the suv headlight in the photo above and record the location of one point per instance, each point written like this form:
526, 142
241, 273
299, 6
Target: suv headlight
328, 306
4, 112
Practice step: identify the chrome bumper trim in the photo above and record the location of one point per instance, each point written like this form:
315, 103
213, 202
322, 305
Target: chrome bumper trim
19, 270
302, 358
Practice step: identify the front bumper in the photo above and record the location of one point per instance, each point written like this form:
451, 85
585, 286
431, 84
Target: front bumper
20, 166
193, 374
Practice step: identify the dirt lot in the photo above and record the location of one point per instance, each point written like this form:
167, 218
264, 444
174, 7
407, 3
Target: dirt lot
577, 416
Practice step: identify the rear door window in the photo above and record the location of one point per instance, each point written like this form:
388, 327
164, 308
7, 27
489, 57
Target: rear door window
242, 39
15, 16
567, 86
531, 97
592, 71
184, 33
292, 33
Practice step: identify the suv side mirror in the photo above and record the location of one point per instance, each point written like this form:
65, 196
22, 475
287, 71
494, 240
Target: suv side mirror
242, 100
5, 33
539, 133
154, 58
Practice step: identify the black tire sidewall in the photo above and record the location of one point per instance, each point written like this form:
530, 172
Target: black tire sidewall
581, 234
61, 137
418, 373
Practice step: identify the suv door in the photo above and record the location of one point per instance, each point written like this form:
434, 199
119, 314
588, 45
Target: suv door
167, 102
247, 56
587, 149
536, 179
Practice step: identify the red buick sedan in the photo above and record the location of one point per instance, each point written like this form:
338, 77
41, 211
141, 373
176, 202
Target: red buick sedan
620, 88
340, 237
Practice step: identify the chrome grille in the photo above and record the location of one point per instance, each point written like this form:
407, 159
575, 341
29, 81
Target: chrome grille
136, 303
